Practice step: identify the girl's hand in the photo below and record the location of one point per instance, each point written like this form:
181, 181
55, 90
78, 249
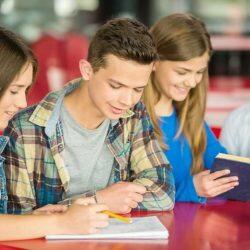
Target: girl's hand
51, 209
210, 184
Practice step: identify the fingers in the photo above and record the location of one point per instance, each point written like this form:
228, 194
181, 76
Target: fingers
223, 188
98, 207
137, 188
84, 201
101, 224
205, 172
133, 204
58, 208
224, 180
219, 174
48, 209
136, 197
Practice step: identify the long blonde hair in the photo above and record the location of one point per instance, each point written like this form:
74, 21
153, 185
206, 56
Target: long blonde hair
181, 37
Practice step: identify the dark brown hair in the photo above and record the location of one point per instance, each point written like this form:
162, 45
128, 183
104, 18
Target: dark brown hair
125, 38
14, 55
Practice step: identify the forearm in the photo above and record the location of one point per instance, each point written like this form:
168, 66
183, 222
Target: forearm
160, 193
185, 192
17, 227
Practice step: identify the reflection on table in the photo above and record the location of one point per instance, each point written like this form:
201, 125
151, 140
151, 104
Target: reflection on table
217, 225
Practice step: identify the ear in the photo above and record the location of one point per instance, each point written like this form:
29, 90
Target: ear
85, 69
155, 65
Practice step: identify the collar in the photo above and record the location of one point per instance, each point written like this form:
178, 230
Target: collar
3, 141
47, 112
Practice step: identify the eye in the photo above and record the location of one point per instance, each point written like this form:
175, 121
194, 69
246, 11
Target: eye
114, 86
27, 90
13, 92
181, 73
138, 90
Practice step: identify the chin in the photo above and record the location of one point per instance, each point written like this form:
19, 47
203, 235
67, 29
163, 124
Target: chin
3, 126
179, 98
114, 116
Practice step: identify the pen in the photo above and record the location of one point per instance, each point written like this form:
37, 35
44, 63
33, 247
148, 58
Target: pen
118, 217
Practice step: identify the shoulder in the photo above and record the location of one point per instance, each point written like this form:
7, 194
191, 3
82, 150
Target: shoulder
23, 115
20, 123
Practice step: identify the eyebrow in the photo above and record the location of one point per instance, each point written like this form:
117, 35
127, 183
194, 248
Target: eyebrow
188, 70
19, 86
124, 85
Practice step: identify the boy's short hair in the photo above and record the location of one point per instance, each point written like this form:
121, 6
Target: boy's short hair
125, 38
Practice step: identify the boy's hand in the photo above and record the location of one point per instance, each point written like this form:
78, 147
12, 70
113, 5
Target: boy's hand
121, 197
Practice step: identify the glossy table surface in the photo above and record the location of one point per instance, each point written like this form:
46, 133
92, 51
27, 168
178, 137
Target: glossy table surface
216, 225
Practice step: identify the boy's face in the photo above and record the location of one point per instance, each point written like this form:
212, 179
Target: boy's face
118, 86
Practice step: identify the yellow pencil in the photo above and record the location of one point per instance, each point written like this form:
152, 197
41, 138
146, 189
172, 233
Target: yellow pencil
118, 217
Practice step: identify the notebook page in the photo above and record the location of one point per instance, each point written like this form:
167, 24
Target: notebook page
141, 228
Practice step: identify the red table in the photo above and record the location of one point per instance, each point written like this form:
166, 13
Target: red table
216, 225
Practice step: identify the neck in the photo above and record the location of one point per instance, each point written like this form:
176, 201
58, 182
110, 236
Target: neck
81, 107
164, 107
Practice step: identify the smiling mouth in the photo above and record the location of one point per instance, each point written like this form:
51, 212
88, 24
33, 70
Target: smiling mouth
10, 114
117, 110
181, 88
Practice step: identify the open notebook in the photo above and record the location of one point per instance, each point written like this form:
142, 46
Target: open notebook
140, 228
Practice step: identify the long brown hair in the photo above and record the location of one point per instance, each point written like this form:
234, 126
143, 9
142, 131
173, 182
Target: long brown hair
181, 37
14, 55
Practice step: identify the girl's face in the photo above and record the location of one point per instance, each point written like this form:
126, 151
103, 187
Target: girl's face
14, 97
176, 78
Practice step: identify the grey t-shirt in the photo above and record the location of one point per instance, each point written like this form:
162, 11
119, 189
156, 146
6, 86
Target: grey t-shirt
86, 156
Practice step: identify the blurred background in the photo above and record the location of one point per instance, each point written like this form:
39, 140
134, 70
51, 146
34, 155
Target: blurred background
59, 32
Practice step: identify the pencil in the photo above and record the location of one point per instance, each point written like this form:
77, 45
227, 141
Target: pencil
118, 217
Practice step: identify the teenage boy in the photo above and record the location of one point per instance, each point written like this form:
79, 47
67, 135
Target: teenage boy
95, 134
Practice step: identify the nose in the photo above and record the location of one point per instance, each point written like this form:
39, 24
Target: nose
192, 81
127, 98
21, 101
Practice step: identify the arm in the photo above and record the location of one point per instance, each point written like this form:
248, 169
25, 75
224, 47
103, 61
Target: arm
186, 191
207, 184
153, 184
213, 148
78, 219
151, 167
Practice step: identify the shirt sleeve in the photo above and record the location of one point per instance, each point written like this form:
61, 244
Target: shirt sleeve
213, 148
151, 167
185, 192
20, 196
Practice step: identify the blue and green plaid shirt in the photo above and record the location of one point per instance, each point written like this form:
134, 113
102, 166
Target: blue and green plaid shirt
3, 192
35, 171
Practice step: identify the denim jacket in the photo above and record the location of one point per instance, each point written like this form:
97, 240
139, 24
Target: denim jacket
3, 192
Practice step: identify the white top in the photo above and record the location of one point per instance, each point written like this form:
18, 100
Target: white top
235, 134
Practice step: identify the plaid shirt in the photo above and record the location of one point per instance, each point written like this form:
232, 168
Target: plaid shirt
35, 171
3, 192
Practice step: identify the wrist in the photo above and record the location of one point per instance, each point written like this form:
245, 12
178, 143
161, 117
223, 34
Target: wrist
99, 196
57, 223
